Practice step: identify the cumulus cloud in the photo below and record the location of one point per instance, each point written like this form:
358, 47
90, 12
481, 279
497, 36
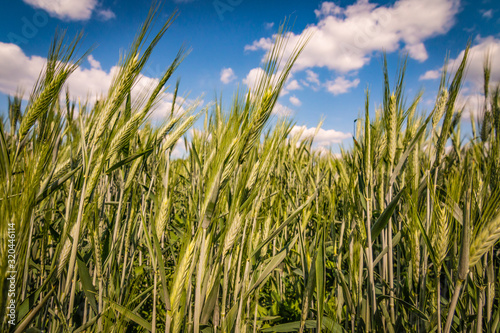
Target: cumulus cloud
345, 38
295, 101
417, 51
341, 85
488, 46
293, 85
430, 75
179, 150
324, 138
471, 97
263, 43
19, 71
327, 9
312, 77
324, 151
16, 69
251, 81
253, 77
93, 63
77, 10
472, 103
227, 75
282, 111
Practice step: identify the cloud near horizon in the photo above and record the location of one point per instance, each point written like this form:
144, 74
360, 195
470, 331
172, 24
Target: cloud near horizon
483, 48
324, 138
472, 96
19, 72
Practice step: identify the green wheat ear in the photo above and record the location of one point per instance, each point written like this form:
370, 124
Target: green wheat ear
485, 240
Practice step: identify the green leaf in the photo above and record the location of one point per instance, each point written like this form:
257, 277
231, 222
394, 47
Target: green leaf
271, 266
395, 241
159, 256
346, 290
290, 327
332, 326
131, 315
55, 185
284, 224
385, 216
128, 160
88, 287
320, 278
409, 306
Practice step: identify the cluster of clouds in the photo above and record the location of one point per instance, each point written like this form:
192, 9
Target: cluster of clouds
346, 38
18, 72
484, 49
323, 139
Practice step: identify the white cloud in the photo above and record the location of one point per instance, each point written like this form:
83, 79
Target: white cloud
326, 152
430, 75
485, 46
487, 13
417, 51
471, 95
77, 10
179, 150
312, 77
344, 39
263, 43
324, 138
17, 70
473, 104
269, 25
475, 73
253, 77
328, 8
282, 111
227, 75
341, 85
293, 85
295, 101
93, 63
106, 14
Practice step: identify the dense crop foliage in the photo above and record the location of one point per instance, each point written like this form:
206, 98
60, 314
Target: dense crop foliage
254, 230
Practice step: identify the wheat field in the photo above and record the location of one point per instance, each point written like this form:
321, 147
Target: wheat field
254, 230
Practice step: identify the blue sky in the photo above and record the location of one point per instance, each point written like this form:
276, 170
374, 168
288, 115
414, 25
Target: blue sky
228, 40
